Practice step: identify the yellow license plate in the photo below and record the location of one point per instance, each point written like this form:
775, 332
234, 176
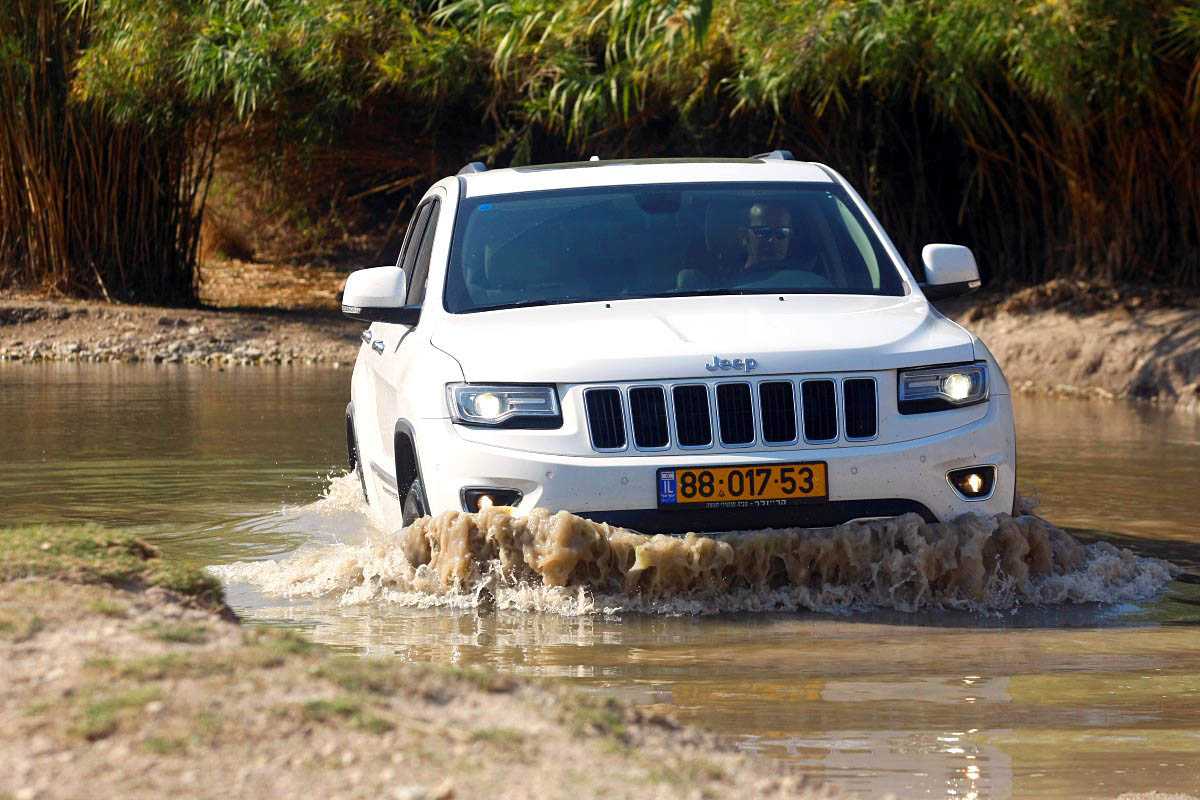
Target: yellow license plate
749, 485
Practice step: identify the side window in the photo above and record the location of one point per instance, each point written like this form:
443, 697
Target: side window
420, 271
412, 243
861, 243
408, 234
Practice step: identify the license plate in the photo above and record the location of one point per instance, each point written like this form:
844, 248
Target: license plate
748, 485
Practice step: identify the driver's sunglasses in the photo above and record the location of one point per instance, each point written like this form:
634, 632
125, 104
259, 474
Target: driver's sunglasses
768, 232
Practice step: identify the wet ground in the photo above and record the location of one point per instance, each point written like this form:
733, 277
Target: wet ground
1070, 700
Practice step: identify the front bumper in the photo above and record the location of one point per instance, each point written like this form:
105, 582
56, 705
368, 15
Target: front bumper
864, 481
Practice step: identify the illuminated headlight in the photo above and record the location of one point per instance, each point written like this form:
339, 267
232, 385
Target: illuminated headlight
940, 388
504, 406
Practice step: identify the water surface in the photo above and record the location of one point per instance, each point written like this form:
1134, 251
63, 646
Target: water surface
1078, 701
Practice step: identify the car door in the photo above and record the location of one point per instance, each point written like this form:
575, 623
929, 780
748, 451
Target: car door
392, 344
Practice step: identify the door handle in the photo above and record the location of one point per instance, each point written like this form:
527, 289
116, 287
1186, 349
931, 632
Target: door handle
377, 346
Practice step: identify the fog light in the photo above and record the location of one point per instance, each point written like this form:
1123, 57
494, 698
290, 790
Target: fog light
475, 497
973, 483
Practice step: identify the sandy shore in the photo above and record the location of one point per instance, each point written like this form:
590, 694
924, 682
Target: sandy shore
1057, 338
125, 676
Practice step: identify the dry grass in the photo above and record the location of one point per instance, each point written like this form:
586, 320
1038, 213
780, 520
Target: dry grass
266, 713
90, 554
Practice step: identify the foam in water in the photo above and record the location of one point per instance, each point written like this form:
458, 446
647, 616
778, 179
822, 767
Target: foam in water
561, 563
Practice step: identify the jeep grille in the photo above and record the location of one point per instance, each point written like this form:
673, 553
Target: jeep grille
770, 412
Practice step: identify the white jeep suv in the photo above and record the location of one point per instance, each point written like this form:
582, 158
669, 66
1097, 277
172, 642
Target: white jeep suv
671, 345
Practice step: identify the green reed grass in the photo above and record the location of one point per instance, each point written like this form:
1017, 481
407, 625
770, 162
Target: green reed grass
1057, 137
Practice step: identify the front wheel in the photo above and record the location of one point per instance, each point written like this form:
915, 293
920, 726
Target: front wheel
415, 506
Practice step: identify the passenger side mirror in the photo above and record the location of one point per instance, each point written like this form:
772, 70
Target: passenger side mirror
950, 271
377, 295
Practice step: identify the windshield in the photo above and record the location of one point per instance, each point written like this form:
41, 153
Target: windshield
614, 243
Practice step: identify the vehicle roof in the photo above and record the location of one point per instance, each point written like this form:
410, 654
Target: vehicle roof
580, 174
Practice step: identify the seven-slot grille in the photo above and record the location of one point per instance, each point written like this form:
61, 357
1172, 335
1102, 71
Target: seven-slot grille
786, 412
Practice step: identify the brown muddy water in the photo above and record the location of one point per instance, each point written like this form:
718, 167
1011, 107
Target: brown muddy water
923, 673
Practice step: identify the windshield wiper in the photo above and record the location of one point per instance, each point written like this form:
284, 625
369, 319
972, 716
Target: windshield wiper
525, 304
696, 293
568, 300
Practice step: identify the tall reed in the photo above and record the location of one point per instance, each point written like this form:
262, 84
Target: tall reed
89, 205
1057, 137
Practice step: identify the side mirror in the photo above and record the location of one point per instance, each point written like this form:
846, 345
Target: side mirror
950, 271
377, 295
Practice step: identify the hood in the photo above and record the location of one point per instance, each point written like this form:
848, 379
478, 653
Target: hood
675, 338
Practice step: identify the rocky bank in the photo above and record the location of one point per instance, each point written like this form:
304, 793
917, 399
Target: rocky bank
1063, 337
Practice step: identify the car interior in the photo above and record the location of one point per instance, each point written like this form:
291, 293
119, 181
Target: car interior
554, 247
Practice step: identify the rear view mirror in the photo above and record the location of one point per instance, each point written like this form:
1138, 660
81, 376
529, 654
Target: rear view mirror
377, 295
950, 271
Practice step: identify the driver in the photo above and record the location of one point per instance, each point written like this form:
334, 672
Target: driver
767, 237
776, 256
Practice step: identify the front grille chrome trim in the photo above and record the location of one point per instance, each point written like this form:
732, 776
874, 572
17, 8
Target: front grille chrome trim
624, 421
841, 423
708, 393
762, 414
803, 413
754, 421
846, 413
669, 417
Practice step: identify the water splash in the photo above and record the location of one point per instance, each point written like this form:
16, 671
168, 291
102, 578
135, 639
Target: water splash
561, 563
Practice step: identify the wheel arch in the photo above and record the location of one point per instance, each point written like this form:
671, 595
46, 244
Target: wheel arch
351, 438
408, 465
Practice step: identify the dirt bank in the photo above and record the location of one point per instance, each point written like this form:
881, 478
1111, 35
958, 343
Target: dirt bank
1076, 339
126, 677
1063, 337
43, 330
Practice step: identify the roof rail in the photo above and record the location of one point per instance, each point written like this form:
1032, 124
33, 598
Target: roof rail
473, 167
781, 155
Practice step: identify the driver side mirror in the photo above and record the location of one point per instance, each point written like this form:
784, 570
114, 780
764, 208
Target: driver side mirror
950, 271
377, 295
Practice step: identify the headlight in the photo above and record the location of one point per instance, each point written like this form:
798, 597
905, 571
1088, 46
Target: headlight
504, 406
940, 388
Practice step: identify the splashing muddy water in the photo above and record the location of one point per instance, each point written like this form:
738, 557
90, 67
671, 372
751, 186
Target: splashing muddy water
563, 563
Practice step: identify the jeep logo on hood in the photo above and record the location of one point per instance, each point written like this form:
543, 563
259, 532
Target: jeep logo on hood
719, 364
